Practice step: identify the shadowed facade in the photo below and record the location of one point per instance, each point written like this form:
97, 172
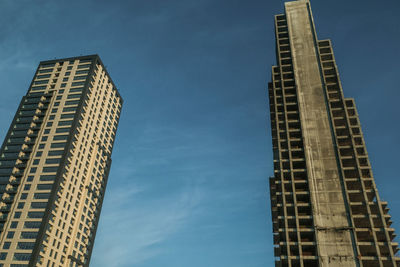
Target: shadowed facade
325, 206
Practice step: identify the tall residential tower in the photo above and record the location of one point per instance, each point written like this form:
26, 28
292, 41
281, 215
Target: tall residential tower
55, 162
325, 206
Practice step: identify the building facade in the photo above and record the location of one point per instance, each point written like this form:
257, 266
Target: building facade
326, 209
54, 164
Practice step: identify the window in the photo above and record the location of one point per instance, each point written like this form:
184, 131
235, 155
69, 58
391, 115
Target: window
78, 89
84, 66
69, 109
77, 78
59, 97
41, 146
36, 205
60, 137
45, 71
18, 265
33, 170
10, 234
41, 82
77, 83
48, 65
63, 85
43, 76
17, 215
27, 187
6, 245
44, 138
82, 72
54, 110
70, 67
41, 196
58, 145
56, 104
25, 245
44, 186
65, 79
20, 205
85, 60
74, 96
62, 130
37, 88
67, 73
65, 123
47, 177
67, 116
30, 178
61, 91
46, 131
53, 161
36, 162
22, 256
71, 102
13, 225
3, 255
50, 169
30, 235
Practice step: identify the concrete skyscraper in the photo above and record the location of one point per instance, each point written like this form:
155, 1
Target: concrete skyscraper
54, 164
326, 209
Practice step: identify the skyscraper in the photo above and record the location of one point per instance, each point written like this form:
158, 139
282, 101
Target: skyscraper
55, 162
326, 209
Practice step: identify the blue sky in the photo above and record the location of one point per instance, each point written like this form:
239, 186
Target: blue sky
189, 181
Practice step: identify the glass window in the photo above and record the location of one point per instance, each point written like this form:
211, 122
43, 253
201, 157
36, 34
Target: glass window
43, 76
47, 177
50, 169
41, 82
58, 145
62, 130
74, 96
45, 71
22, 256
41, 196
78, 89
30, 235
71, 102
65, 123
69, 109
44, 186
10, 234
25, 245
60, 137
53, 161
67, 116
37, 88
84, 66
77, 83
35, 205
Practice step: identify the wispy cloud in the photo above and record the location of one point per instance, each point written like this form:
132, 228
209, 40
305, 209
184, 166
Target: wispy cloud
132, 230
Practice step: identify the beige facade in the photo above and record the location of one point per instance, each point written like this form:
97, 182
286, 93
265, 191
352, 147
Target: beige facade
55, 162
325, 206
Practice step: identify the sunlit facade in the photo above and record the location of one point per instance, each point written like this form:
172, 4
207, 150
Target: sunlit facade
55, 162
